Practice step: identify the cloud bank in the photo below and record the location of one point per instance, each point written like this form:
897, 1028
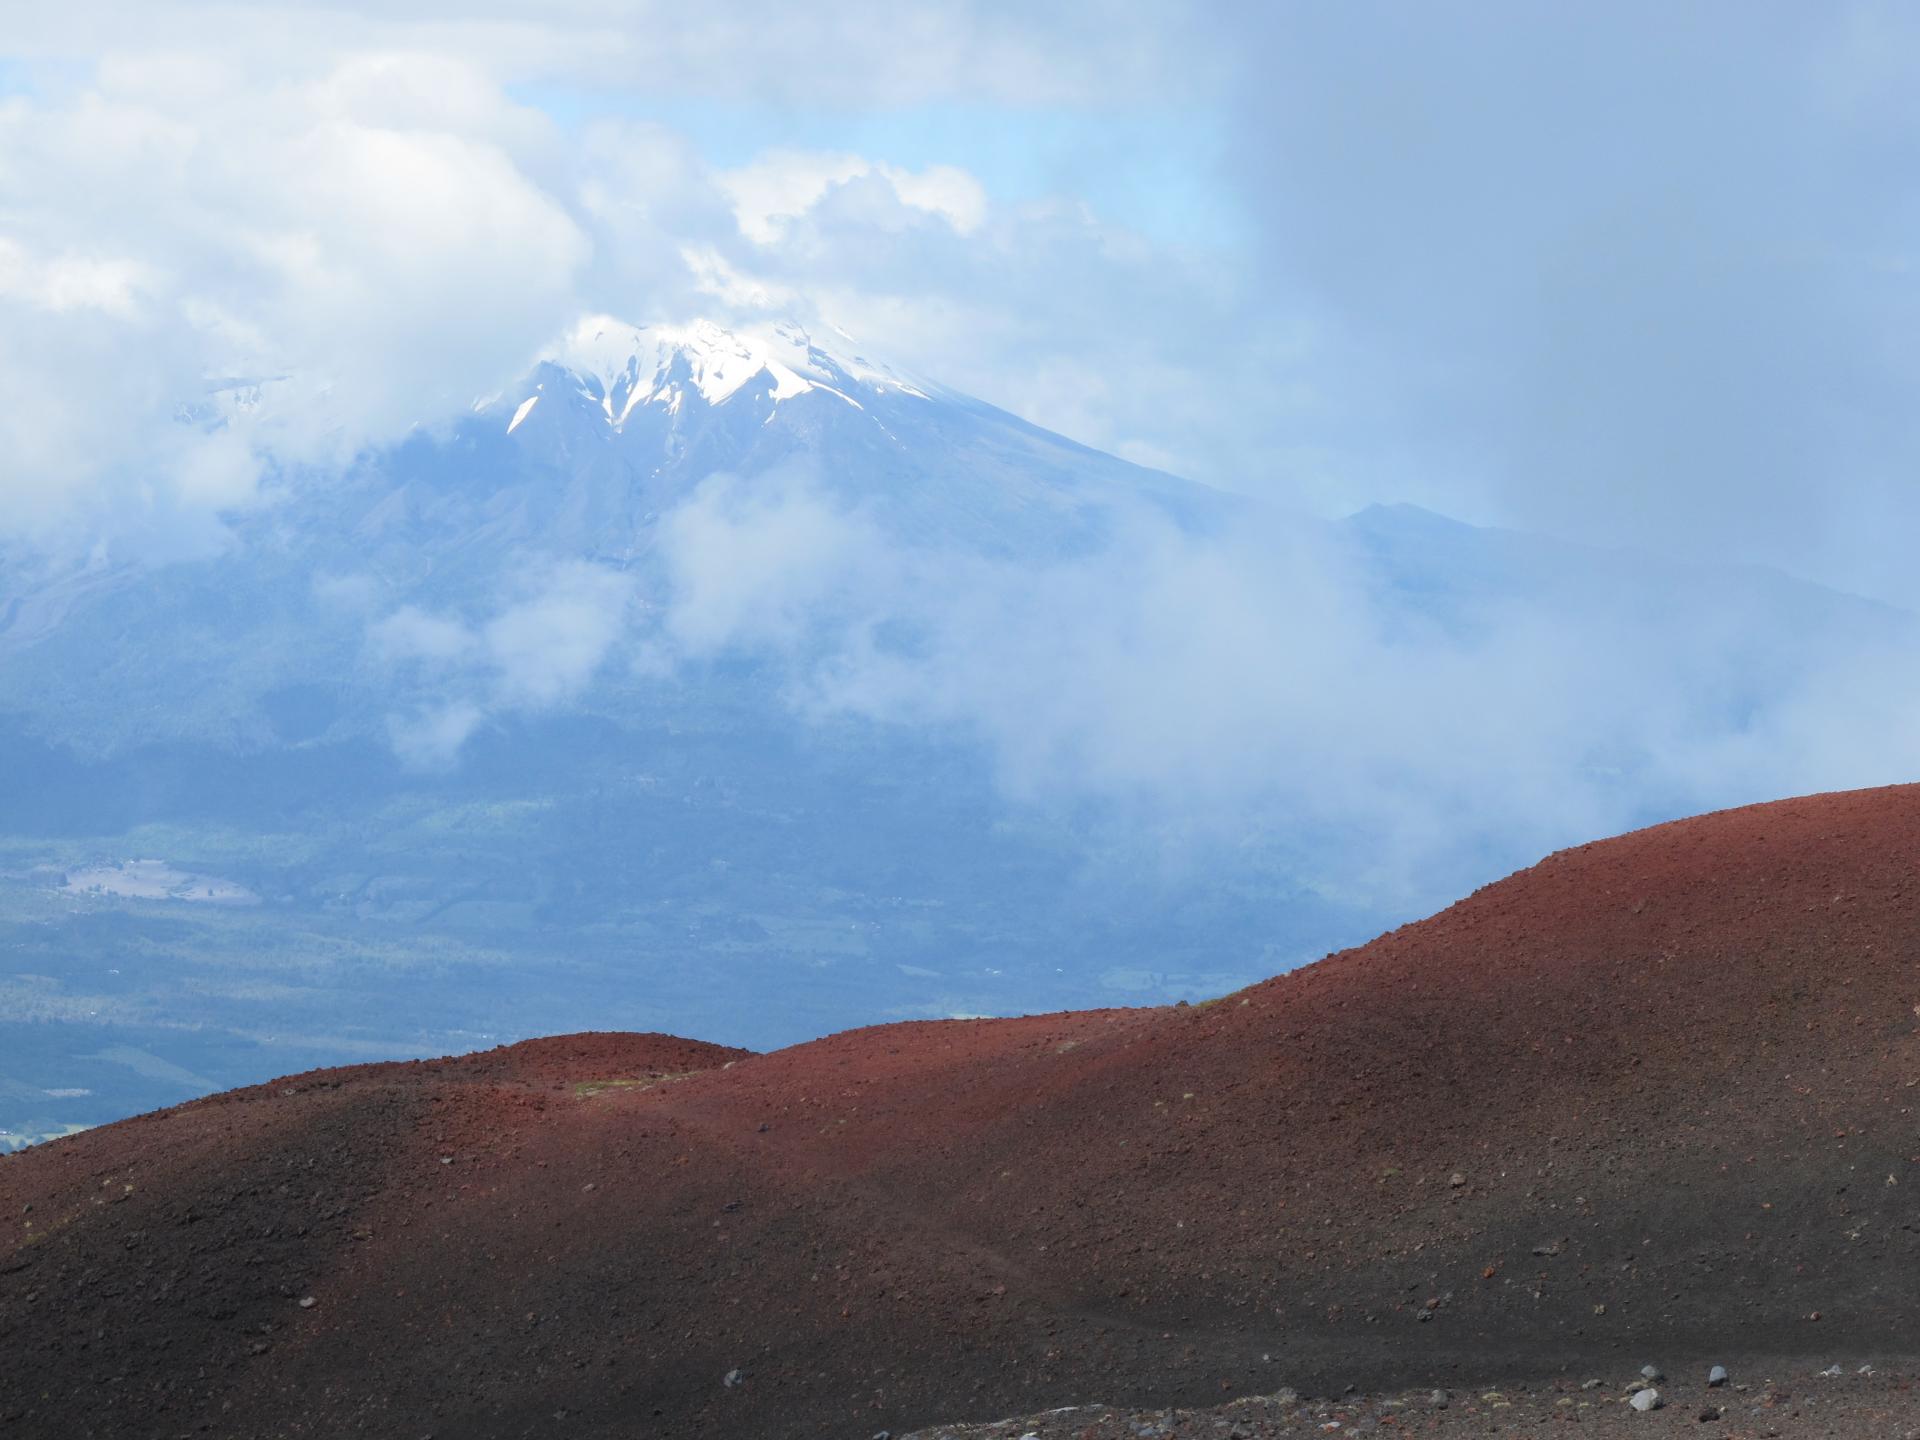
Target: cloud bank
1276, 685
539, 650
1399, 729
1636, 272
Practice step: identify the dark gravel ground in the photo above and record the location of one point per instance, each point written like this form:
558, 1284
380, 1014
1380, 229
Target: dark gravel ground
1654, 1097
1784, 1402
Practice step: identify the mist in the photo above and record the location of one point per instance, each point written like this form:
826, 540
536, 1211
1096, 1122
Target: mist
1420, 705
1637, 273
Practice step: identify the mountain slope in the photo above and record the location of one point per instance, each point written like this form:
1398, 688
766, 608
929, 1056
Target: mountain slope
1651, 1096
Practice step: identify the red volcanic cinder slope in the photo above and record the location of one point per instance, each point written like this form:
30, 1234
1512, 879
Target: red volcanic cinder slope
1654, 1096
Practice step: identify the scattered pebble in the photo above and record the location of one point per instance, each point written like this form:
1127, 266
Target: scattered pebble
1651, 1372
732, 1378
1644, 1400
1717, 1376
306, 1302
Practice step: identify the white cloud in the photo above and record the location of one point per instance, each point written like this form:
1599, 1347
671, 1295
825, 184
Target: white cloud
715, 277
348, 594
411, 634
534, 652
546, 648
70, 282
780, 186
764, 562
373, 236
1267, 685
433, 738
867, 52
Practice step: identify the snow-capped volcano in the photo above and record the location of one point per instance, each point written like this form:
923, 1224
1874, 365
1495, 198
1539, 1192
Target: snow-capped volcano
621, 367
614, 424
618, 422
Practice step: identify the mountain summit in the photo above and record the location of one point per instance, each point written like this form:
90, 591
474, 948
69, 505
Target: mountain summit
617, 422
622, 366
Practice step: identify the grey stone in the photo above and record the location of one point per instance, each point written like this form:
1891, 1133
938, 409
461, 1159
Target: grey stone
1651, 1372
732, 1378
1645, 1400
1717, 1375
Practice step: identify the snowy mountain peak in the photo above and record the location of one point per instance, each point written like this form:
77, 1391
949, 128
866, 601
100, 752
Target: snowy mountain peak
622, 366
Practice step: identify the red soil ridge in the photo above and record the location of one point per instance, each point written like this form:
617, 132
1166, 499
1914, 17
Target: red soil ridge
1655, 1095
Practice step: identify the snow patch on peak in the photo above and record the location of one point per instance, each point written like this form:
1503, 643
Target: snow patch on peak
838, 366
624, 365
635, 364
